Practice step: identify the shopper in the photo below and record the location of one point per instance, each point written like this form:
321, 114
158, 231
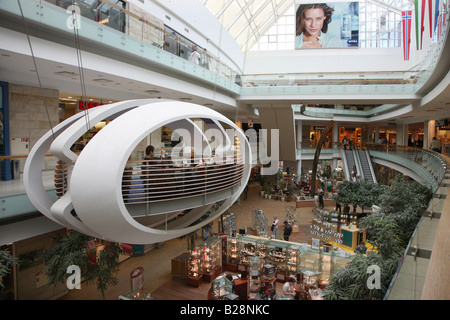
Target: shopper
338, 204
245, 192
287, 230
361, 248
344, 143
195, 56
435, 145
288, 288
321, 203
274, 227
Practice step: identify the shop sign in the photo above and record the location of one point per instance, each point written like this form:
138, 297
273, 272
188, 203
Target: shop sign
83, 105
441, 123
319, 127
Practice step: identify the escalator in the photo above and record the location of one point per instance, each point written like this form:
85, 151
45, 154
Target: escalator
359, 161
366, 166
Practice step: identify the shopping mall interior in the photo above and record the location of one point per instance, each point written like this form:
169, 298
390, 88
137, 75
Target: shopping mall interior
258, 111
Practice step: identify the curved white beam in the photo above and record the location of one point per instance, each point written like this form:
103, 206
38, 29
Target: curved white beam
93, 203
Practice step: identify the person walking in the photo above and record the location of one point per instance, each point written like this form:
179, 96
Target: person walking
287, 230
274, 227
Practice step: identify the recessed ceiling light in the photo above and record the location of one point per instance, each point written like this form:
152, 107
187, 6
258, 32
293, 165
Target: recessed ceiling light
152, 91
185, 99
66, 73
102, 80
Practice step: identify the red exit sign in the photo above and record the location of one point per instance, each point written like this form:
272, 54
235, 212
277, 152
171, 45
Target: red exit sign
83, 105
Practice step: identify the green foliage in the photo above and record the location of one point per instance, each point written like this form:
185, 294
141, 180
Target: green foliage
6, 263
359, 193
74, 250
350, 283
388, 230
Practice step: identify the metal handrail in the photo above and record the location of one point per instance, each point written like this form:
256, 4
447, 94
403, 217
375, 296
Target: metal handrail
154, 180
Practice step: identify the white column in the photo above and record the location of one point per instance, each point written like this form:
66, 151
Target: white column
429, 130
402, 135
335, 136
377, 134
299, 170
299, 129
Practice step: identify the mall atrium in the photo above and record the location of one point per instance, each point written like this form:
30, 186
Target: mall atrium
253, 109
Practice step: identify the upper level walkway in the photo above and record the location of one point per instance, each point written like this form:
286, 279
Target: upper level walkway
145, 43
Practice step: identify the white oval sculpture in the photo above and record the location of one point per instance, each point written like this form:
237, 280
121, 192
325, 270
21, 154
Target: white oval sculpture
97, 201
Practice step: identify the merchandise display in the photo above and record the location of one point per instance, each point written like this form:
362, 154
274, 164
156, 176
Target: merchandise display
331, 227
269, 271
232, 253
291, 217
194, 267
211, 258
228, 223
260, 223
283, 259
254, 273
277, 252
220, 288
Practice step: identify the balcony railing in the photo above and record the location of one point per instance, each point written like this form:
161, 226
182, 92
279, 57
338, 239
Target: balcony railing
147, 181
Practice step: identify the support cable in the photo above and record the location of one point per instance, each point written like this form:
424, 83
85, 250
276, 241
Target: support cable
76, 27
35, 67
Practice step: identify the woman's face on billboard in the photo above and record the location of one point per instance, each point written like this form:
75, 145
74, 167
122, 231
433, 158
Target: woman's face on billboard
314, 19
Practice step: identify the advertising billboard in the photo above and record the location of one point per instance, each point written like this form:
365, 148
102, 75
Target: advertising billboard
327, 25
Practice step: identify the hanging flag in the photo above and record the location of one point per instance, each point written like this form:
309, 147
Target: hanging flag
436, 15
416, 11
406, 27
422, 16
430, 16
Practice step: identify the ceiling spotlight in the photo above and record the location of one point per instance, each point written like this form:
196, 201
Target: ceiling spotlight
66, 73
102, 80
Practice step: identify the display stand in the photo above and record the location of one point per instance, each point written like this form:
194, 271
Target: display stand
210, 258
180, 265
352, 237
241, 288
220, 288
232, 254
194, 272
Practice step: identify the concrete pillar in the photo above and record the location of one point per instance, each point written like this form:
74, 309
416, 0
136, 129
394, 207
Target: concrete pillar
299, 170
377, 134
402, 135
299, 130
429, 130
335, 136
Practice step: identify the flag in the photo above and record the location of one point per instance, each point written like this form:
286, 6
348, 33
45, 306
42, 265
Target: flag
436, 15
406, 27
422, 16
430, 16
416, 10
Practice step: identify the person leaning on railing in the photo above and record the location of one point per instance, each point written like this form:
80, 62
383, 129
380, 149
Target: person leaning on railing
149, 166
435, 145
